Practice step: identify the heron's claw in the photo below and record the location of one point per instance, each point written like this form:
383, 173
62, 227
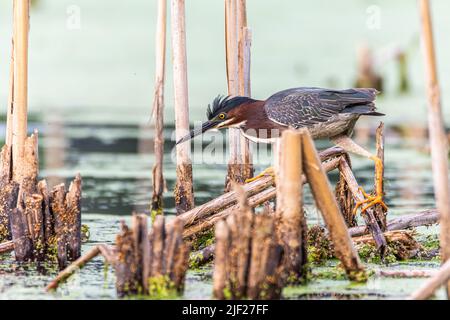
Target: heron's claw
370, 201
269, 171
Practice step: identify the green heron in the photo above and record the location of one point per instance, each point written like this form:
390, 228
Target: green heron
326, 113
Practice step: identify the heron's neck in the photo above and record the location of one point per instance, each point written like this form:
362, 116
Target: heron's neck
256, 117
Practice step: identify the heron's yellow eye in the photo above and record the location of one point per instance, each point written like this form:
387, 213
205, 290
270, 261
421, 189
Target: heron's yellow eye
222, 116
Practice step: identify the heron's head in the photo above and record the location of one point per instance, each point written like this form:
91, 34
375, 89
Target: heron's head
225, 112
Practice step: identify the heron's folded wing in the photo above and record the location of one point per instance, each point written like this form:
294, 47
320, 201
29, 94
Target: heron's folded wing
305, 107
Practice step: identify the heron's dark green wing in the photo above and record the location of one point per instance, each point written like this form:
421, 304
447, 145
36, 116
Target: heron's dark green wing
305, 107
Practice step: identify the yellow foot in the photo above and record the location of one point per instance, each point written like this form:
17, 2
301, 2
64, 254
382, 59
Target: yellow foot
267, 172
369, 201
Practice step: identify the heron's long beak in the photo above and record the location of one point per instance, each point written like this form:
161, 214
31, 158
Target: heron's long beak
198, 131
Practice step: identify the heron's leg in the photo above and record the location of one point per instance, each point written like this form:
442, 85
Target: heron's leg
349, 145
270, 170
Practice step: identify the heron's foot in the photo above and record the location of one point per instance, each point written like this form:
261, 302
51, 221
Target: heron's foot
267, 172
369, 201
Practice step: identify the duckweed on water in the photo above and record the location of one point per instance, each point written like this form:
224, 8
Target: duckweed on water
85, 233
161, 287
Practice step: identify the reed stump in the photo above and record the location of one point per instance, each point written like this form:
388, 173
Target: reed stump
44, 224
248, 258
154, 263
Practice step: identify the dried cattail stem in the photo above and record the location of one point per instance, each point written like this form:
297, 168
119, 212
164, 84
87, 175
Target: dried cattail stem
379, 211
292, 229
345, 198
237, 43
440, 278
75, 266
438, 139
424, 218
20, 100
330, 158
184, 192
158, 109
326, 202
368, 215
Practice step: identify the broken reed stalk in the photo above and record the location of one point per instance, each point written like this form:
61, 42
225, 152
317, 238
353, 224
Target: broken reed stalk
248, 259
6, 246
184, 192
440, 278
207, 219
228, 199
72, 268
424, 218
369, 214
405, 273
20, 95
158, 109
238, 78
291, 222
345, 198
379, 211
438, 139
326, 202
154, 263
202, 256
103, 249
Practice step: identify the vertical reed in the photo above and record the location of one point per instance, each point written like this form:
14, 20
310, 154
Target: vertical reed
20, 94
9, 110
292, 228
438, 140
379, 211
184, 194
237, 41
158, 109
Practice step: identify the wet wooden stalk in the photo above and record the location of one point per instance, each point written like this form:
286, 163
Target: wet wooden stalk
326, 202
237, 43
158, 110
292, 229
424, 218
184, 192
438, 139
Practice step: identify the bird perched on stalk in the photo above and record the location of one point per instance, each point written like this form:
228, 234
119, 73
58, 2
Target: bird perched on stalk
326, 113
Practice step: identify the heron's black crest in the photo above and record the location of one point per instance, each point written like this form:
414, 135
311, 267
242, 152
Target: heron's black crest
225, 104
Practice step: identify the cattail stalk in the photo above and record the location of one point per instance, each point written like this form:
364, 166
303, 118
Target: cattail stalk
20, 93
438, 139
158, 109
184, 194
292, 224
237, 41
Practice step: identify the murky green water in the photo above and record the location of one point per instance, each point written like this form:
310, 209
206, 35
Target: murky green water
91, 92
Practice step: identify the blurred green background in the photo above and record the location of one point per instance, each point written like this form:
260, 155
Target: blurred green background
103, 71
